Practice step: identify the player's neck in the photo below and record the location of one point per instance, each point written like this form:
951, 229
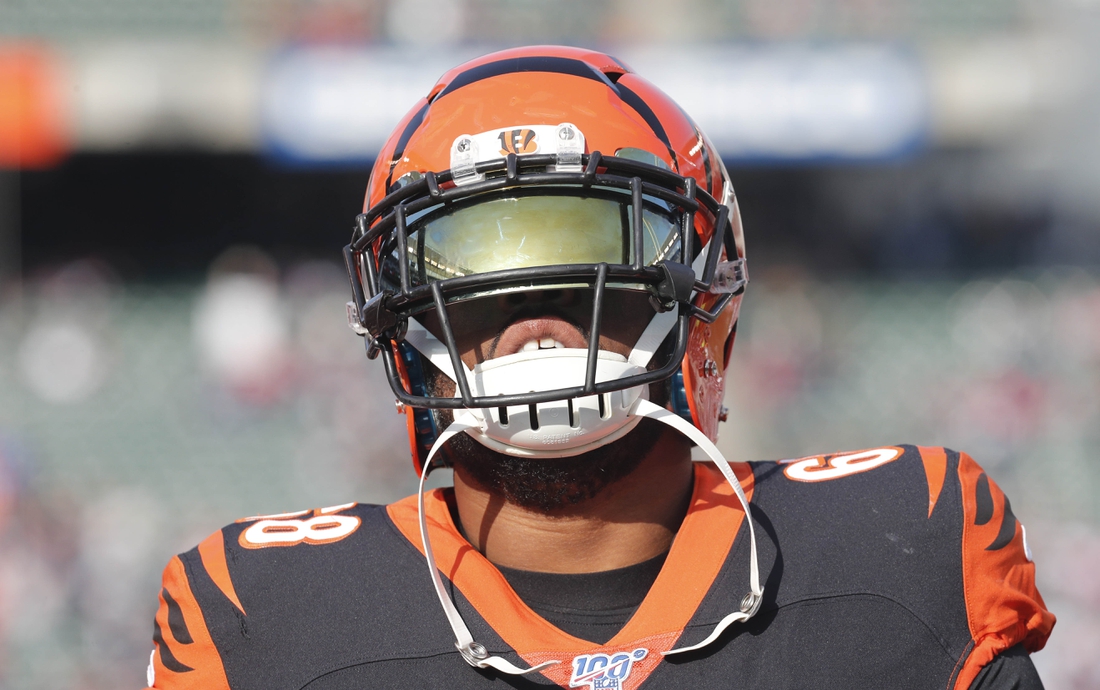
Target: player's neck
630, 521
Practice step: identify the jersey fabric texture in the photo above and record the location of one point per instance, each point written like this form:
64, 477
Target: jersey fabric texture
591, 606
896, 567
595, 606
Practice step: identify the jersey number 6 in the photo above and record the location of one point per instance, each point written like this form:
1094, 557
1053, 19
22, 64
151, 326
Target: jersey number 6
826, 467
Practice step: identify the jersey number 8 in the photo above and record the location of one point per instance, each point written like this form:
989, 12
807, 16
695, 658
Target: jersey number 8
322, 528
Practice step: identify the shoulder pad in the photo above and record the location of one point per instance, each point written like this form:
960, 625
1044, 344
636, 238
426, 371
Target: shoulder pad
1003, 606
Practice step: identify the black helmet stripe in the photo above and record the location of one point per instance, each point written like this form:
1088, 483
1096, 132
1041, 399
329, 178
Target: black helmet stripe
558, 65
635, 101
403, 141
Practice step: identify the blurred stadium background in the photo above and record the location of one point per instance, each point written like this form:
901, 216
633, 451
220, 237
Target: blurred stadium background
921, 189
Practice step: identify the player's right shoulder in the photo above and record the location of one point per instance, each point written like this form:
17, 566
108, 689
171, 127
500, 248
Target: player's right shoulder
241, 554
212, 589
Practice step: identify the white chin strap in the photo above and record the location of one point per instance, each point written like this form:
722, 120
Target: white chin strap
475, 654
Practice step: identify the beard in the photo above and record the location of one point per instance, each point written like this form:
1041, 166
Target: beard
549, 485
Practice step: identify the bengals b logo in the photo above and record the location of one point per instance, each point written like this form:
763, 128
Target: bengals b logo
518, 141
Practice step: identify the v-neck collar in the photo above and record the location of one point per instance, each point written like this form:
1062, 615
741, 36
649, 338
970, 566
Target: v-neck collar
698, 553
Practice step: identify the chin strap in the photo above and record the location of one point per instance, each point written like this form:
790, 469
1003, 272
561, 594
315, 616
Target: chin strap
750, 603
475, 653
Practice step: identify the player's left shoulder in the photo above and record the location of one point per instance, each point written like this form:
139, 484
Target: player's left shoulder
945, 487
904, 478
954, 529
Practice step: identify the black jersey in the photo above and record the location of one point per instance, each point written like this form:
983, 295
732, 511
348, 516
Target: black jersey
893, 567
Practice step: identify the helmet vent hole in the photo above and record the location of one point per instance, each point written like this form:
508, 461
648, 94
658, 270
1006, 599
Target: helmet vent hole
572, 414
502, 412
533, 411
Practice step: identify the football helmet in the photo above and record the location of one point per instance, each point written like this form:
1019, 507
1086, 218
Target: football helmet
540, 170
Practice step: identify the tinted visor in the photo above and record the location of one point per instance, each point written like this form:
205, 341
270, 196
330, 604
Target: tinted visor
525, 231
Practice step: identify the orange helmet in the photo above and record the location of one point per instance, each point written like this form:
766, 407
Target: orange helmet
544, 168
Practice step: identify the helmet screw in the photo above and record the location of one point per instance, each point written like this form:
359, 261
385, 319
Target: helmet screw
710, 368
566, 133
463, 146
400, 406
747, 602
723, 413
478, 651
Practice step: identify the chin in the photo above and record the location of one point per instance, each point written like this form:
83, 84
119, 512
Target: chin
549, 485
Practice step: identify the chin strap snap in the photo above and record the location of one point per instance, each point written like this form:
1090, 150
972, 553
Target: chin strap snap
475, 653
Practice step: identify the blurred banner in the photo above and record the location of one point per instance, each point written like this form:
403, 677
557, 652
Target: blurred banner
798, 103
756, 103
339, 104
793, 102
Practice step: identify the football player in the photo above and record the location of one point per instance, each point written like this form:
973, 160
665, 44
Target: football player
549, 267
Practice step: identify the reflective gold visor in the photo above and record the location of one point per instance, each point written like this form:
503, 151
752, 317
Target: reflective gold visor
536, 230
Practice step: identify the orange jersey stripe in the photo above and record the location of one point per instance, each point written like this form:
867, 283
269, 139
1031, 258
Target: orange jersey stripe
935, 468
185, 657
1003, 607
212, 553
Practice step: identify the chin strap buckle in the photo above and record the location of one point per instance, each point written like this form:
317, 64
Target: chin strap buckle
730, 277
354, 322
464, 158
376, 322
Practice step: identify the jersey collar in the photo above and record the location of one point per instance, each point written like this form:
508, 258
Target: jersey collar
698, 552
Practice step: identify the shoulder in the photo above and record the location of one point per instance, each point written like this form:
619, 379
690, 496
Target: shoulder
870, 513
937, 495
945, 487
907, 479
264, 577
924, 526
257, 556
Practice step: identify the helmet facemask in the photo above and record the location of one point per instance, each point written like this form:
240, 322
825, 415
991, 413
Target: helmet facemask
620, 233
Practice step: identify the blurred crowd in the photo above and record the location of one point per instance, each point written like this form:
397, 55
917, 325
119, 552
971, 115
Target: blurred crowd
134, 419
137, 420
